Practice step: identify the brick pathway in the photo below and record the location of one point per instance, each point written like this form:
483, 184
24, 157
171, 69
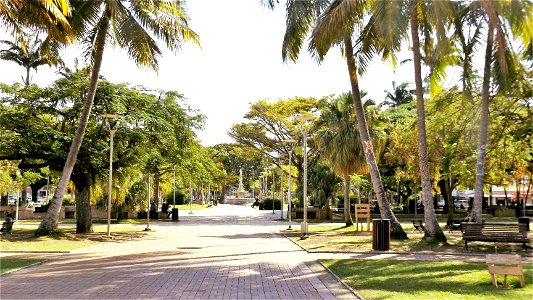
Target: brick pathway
225, 252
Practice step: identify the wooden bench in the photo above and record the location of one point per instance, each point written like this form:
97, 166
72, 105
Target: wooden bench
7, 227
505, 264
495, 232
418, 225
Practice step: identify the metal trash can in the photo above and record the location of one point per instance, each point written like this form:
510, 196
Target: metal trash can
381, 234
175, 216
524, 220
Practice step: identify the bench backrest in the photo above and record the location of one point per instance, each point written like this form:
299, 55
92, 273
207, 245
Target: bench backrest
493, 228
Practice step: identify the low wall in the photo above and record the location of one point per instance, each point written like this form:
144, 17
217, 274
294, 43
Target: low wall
502, 211
312, 213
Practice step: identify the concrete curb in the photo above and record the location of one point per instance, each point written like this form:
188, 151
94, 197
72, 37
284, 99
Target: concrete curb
341, 281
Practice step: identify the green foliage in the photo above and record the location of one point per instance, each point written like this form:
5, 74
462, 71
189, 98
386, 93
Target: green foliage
267, 204
323, 185
180, 198
153, 129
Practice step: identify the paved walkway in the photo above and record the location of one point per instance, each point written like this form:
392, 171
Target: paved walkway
225, 252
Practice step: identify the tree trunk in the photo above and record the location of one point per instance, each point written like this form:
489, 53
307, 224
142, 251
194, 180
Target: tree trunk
384, 206
347, 211
475, 213
27, 81
433, 230
84, 222
49, 222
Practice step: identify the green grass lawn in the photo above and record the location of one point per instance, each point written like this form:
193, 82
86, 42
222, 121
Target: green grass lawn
9, 263
391, 279
194, 206
23, 238
346, 239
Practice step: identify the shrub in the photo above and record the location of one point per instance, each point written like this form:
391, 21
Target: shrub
267, 204
180, 198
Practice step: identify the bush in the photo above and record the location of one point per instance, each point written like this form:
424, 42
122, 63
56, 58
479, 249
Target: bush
267, 204
180, 198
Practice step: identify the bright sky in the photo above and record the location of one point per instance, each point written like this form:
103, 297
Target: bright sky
238, 63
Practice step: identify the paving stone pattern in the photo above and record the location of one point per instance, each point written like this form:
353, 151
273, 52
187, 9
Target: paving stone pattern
224, 252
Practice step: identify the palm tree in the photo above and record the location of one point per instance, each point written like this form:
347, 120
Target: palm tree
502, 18
335, 26
400, 95
340, 144
131, 25
47, 16
30, 56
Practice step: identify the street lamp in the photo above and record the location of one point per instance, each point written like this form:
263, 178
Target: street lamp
191, 196
289, 196
273, 188
108, 118
282, 197
304, 118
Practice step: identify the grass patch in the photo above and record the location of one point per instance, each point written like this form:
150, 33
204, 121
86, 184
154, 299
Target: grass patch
194, 206
346, 239
8, 263
390, 279
23, 239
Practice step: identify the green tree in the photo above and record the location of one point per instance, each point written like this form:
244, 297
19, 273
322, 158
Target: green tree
400, 95
29, 56
339, 143
37, 125
271, 124
131, 25
323, 185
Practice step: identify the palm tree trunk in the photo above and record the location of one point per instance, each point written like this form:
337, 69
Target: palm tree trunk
347, 210
475, 214
27, 81
433, 230
49, 222
384, 206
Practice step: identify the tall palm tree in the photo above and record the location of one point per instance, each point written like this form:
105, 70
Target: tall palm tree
339, 20
340, 144
335, 26
131, 25
29, 56
392, 22
501, 18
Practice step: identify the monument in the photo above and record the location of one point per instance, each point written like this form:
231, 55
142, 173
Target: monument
240, 192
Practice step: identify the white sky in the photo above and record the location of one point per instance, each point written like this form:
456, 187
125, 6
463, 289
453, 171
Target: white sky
238, 63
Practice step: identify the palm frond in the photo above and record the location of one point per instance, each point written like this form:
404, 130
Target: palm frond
166, 20
335, 24
390, 21
49, 16
300, 16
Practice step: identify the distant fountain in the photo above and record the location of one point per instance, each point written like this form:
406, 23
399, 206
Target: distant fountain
240, 192
240, 198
